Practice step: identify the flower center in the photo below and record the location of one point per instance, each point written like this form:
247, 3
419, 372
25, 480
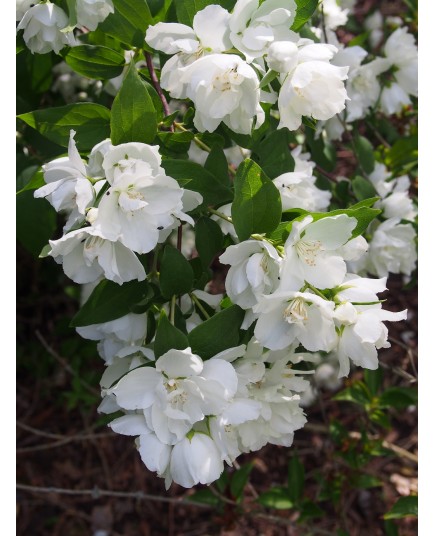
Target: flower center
307, 250
296, 312
224, 81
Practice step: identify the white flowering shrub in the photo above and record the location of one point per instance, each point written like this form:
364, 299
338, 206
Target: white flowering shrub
206, 143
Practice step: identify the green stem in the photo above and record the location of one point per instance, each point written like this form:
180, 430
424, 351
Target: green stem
314, 290
199, 306
221, 215
172, 309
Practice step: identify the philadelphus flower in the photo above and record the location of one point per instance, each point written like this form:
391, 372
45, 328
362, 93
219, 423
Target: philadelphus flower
362, 331
312, 252
254, 271
210, 34
91, 12
224, 89
313, 87
68, 187
85, 256
142, 199
22, 6
334, 15
42, 25
254, 27
297, 188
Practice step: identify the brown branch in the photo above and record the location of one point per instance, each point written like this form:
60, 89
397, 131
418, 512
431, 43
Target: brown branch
156, 84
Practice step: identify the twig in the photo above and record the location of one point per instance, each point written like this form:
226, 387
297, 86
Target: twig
199, 306
220, 496
64, 364
75, 437
326, 174
96, 493
156, 84
249, 485
220, 215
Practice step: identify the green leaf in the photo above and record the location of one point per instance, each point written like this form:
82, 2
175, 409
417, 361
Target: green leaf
95, 61
187, 9
257, 207
176, 274
367, 482
30, 178
404, 153
273, 153
134, 117
322, 151
175, 142
268, 78
365, 154
109, 301
362, 188
219, 333
194, 177
129, 22
217, 164
305, 10
378, 416
404, 507
204, 496
373, 379
90, 121
276, 498
398, 397
357, 393
36, 222
295, 479
209, 239
239, 480
309, 510
168, 337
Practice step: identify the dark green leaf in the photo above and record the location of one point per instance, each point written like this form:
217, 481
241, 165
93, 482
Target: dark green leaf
239, 480
357, 393
322, 152
268, 78
209, 239
276, 498
367, 482
187, 9
373, 379
95, 61
129, 22
365, 154
398, 397
378, 416
134, 117
109, 301
404, 507
168, 337
309, 510
204, 496
362, 188
219, 333
36, 222
295, 479
202, 274
90, 121
194, 177
176, 274
305, 10
217, 164
273, 153
175, 142
30, 179
257, 207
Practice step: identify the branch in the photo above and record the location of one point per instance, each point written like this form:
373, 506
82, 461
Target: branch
156, 84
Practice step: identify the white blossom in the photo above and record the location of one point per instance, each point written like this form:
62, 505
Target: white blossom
254, 27
21, 7
42, 25
85, 256
91, 12
224, 88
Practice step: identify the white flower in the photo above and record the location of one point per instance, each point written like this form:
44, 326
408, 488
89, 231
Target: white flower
254, 271
400, 49
362, 331
392, 249
397, 205
119, 340
224, 89
311, 252
22, 6
393, 99
180, 391
42, 25
142, 200
254, 27
374, 24
68, 188
195, 460
85, 256
226, 227
286, 317
91, 12
96, 158
314, 88
334, 15
297, 188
